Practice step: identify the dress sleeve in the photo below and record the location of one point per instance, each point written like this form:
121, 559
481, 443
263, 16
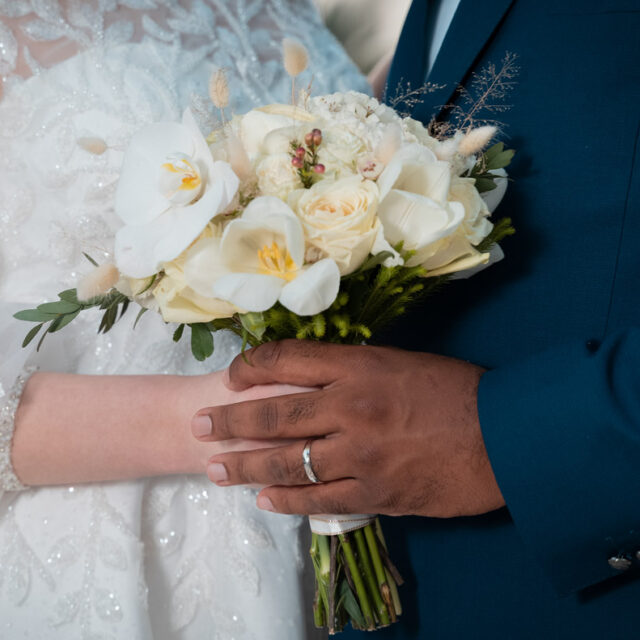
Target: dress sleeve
9, 401
562, 430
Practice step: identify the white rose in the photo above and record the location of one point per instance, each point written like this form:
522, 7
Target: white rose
339, 219
169, 189
277, 176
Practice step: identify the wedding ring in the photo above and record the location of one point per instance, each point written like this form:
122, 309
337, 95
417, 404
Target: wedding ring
306, 462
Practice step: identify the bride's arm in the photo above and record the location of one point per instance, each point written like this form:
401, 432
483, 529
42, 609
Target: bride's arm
78, 428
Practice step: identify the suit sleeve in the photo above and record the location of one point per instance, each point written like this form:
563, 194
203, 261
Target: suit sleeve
562, 430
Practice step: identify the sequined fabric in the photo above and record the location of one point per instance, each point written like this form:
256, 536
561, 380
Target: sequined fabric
171, 558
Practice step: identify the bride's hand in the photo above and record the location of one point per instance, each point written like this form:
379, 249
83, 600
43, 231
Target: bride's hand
203, 451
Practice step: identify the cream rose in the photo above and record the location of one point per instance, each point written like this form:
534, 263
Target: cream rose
340, 221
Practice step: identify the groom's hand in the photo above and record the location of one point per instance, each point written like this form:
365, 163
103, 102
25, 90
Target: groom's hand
394, 432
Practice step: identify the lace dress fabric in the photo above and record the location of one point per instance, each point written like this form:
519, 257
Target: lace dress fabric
168, 558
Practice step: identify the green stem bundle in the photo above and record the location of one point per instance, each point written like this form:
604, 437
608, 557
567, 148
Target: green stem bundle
352, 581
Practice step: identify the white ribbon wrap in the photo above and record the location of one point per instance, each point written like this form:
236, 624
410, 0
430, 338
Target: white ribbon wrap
331, 524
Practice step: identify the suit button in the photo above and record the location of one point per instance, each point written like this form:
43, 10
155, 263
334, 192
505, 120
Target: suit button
619, 563
593, 345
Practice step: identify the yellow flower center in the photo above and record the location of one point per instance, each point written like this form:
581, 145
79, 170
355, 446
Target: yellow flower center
190, 178
277, 262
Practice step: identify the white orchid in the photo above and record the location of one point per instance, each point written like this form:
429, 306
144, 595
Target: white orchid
260, 260
169, 189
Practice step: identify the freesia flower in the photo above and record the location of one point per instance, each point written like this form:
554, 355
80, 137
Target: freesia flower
260, 260
415, 209
169, 189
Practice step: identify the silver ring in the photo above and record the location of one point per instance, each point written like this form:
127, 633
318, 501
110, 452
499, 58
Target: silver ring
306, 462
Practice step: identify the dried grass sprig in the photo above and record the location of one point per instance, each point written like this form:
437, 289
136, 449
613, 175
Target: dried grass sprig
295, 58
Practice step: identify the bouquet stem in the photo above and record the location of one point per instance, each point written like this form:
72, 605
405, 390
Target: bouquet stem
355, 581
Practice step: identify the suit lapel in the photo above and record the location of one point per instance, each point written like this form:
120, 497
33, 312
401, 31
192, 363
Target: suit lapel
472, 26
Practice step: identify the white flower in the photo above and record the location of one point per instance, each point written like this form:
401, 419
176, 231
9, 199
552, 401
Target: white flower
436, 219
277, 176
259, 260
257, 124
339, 219
169, 189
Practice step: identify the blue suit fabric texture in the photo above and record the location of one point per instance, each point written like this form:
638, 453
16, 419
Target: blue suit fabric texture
557, 323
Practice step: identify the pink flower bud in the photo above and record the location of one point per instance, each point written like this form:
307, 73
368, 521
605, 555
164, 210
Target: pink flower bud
317, 137
319, 168
300, 151
297, 162
308, 139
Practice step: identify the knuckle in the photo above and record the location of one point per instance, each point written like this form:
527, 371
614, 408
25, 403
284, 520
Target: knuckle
367, 454
366, 407
221, 419
299, 409
267, 355
280, 468
267, 418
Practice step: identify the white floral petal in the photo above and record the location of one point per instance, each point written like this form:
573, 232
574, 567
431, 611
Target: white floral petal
263, 206
495, 255
138, 199
140, 250
431, 180
201, 149
416, 220
250, 291
203, 266
411, 154
314, 290
243, 239
494, 197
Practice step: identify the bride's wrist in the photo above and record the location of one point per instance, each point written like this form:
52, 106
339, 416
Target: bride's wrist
196, 393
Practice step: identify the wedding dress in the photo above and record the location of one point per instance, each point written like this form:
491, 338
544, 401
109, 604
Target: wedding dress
175, 557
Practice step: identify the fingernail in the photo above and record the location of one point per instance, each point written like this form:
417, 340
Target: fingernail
217, 472
201, 426
265, 504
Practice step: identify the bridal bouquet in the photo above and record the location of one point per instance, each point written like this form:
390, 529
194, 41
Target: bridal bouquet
322, 219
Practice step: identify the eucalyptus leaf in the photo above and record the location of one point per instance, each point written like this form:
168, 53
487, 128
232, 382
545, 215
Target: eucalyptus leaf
485, 184
62, 321
201, 341
177, 334
34, 315
59, 307
33, 332
142, 311
70, 295
500, 160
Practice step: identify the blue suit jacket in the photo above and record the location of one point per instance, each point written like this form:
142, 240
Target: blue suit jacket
556, 322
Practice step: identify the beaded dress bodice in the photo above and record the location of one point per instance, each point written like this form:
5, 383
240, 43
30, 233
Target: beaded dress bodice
173, 558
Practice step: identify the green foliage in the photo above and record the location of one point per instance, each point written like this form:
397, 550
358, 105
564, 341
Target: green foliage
60, 313
494, 158
201, 341
501, 229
